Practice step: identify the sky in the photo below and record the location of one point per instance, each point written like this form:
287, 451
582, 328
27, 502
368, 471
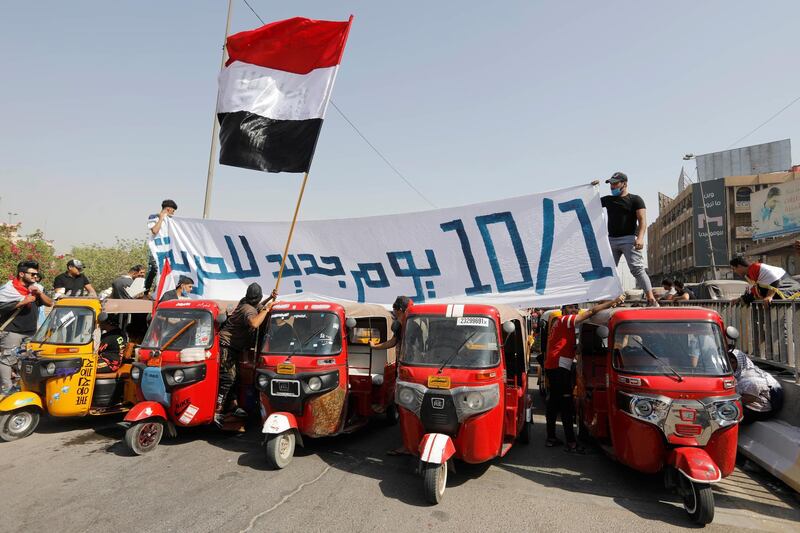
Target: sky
107, 107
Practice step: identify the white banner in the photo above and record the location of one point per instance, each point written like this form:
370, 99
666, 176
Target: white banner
542, 249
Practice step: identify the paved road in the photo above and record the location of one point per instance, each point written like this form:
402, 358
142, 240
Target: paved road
76, 476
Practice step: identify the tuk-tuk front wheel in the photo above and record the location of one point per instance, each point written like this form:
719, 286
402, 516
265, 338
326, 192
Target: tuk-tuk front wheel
280, 449
698, 500
143, 437
434, 481
19, 424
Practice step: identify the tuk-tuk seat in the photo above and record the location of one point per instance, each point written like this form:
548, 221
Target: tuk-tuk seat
358, 362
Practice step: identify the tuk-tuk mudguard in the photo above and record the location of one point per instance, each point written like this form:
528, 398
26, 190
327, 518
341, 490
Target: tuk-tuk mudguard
436, 448
278, 423
144, 410
19, 400
695, 464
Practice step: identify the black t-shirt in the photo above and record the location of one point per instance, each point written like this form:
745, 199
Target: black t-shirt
25, 323
622, 214
71, 285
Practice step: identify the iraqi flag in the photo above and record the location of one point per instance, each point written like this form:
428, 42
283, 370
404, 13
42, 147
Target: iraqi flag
274, 90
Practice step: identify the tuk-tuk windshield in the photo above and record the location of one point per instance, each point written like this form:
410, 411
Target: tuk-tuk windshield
461, 342
67, 325
187, 328
303, 333
649, 347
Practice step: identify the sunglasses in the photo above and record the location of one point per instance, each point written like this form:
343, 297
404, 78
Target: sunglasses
33, 273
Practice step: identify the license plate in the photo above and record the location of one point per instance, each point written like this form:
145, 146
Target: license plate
286, 368
285, 387
438, 382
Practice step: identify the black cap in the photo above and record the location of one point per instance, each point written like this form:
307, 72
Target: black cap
185, 280
617, 177
169, 203
77, 263
254, 293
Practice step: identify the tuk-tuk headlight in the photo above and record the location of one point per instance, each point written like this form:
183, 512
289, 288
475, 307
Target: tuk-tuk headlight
50, 368
136, 373
727, 411
405, 397
314, 383
643, 408
178, 375
263, 381
474, 401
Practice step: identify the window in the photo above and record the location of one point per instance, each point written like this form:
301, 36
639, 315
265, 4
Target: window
67, 325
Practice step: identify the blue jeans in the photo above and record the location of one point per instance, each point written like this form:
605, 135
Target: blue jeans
625, 246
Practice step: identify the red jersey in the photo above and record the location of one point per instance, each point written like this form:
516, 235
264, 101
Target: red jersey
561, 343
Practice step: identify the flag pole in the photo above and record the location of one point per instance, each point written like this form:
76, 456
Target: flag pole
291, 231
215, 127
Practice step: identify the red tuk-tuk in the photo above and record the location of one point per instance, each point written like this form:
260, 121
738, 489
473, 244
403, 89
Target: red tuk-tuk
655, 388
318, 375
462, 389
177, 372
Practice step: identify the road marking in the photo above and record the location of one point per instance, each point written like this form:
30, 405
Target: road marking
284, 499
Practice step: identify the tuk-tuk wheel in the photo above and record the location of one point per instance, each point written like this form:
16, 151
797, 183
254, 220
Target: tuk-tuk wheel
143, 437
698, 500
434, 481
280, 449
19, 424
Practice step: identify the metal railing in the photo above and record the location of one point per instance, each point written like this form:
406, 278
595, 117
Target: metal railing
767, 333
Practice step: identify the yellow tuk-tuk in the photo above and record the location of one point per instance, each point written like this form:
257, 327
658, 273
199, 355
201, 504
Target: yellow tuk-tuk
59, 368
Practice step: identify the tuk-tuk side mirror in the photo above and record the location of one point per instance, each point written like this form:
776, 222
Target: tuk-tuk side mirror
350, 323
396, 326
509, 327
602, 332
732, 333
221, 318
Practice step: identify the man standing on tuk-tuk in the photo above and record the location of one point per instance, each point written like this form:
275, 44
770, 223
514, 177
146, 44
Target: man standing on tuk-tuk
236, 337
20, 300
558, 368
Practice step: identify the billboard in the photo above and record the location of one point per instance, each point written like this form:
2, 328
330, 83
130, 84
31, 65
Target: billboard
757, 159
775, 211
709, 223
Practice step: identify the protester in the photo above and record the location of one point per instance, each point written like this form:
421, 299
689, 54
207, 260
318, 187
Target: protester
767, 282
669, 289
558, 368
20, 300
112, 345
236, 338
682, 293
762, 394
73, 282
154, 225
627, 222
399, 313
181, 292
121, 285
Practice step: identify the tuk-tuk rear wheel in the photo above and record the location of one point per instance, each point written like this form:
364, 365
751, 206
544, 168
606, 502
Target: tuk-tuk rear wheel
143, 437
280, 449
19, 424
698, 500
434, 481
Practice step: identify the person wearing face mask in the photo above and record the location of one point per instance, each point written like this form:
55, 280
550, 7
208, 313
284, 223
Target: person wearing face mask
627, 222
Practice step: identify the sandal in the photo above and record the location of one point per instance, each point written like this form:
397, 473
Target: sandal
552, 443
577, 450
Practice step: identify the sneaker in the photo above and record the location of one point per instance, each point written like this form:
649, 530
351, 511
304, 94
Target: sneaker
576, 449
653, 303
552, 443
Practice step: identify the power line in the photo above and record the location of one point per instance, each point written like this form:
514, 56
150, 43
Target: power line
364, 137
784, 108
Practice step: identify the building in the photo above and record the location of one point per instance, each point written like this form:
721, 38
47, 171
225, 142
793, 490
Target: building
674, 237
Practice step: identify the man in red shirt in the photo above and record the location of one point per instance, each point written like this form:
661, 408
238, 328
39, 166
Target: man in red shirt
558, 368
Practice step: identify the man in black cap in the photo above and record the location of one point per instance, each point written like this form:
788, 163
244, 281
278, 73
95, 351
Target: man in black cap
627, 222
73, 282
181, 292
236, 338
